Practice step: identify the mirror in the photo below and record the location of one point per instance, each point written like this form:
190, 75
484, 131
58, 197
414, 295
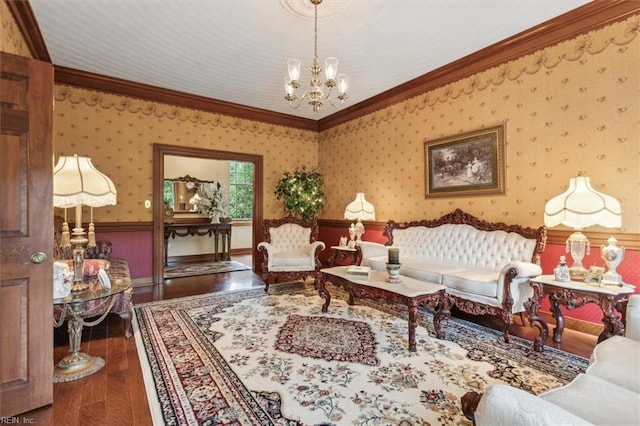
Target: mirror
179, 193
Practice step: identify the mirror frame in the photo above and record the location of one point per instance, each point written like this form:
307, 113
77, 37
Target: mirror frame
186, 178
159, 151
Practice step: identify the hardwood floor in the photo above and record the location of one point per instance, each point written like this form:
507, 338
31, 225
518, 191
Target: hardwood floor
116, 395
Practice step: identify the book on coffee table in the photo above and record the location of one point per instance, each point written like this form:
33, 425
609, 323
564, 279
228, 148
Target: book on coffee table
358, 271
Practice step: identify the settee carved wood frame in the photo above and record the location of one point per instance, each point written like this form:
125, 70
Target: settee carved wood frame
287, 276
458, 217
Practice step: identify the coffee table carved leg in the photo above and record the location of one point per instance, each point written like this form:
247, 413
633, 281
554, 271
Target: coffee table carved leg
533, 308
413, 323
444, 312
322, 291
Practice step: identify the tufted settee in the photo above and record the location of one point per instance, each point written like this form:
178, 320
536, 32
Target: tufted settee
118, 270
484, 266
608, 393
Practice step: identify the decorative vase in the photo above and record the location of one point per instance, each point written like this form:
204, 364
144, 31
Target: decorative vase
561, 271
215, 217
612, 256
394, 273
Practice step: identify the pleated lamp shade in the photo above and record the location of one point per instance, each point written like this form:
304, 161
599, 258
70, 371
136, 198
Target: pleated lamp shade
582, 206
77, 182
360, 209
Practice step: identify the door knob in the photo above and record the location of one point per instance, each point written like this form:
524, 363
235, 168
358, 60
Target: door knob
38, 257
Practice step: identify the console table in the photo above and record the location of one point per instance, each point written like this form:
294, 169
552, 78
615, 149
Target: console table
341, 253
172, 230
574, 295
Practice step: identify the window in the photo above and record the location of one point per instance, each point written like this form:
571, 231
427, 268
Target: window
241, 189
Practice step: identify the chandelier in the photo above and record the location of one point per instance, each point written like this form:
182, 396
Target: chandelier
314, 96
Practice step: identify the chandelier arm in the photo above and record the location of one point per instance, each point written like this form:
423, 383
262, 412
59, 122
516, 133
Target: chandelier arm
295, 104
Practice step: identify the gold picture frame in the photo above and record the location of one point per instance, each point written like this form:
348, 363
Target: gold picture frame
469, 164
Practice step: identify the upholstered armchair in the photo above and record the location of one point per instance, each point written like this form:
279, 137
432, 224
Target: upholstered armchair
118, 269
289, 249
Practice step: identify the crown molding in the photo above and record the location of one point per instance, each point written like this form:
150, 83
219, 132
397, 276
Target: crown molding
26, 21
122, 87
586, 18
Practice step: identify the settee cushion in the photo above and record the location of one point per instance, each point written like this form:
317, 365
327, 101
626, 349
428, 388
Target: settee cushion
505, 405
483, 283
292, 261
617, 360
597, 401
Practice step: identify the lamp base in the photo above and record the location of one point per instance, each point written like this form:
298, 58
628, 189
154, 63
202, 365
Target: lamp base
578, 245
577, 272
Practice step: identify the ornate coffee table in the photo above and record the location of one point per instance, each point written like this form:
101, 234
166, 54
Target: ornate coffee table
410, 292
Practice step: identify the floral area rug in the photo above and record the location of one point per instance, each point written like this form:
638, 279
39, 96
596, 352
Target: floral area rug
248, 358
192, 269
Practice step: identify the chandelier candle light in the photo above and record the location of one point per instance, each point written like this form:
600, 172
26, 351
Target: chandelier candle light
579, 207
314, 96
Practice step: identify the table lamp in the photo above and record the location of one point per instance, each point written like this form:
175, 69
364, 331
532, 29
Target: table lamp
359, 209
579, 207
77, 182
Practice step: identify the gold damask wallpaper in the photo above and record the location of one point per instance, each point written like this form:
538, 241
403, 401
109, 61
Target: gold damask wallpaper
569, 109
10, 36
118, 133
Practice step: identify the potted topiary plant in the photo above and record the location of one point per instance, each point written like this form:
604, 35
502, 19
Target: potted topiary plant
301, 192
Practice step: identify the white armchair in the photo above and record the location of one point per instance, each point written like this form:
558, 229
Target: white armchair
290, 250
608, 393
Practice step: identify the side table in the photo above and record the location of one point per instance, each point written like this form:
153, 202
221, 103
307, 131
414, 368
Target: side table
573, 295
341, 253
79, 364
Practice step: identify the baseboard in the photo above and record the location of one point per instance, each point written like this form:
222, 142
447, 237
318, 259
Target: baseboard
574, 324
142, 282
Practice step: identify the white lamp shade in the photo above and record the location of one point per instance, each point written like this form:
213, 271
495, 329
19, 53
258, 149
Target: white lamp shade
581, 206
343, 83
76, 182
360, 209
330, 68
289, 89
293, 66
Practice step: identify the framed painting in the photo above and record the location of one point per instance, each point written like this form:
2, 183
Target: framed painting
468, 164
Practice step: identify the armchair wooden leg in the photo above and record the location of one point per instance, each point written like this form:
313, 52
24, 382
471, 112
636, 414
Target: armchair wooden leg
469, 402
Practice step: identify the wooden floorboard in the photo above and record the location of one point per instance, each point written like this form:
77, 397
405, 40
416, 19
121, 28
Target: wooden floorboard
116, 395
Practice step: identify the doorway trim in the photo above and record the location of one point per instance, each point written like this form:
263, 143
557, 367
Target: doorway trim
159, 151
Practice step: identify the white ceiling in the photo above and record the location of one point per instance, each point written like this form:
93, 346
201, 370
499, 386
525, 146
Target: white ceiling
236, 50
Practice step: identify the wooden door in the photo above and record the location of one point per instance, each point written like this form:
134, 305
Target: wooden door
26, 234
